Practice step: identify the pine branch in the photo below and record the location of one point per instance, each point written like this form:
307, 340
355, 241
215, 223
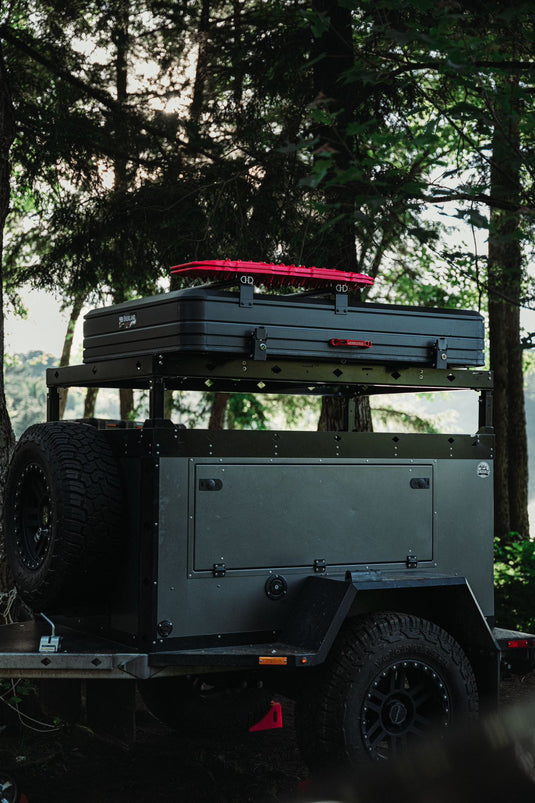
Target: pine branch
441, 65
481, 197
29, 47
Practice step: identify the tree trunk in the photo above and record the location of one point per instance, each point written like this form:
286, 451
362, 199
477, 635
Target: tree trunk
219, 411
121, 40
201, 69
333, 416
504, 291
334, 57
7, 439
90, 402
67, 348
168, 404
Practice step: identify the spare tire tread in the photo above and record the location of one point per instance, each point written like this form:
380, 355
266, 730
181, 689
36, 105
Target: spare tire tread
82, 477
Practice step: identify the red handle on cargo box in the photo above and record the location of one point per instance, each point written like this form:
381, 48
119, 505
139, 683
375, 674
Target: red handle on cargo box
361, 344
271, 274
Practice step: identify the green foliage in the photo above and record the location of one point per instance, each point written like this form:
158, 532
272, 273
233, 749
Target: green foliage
408, 421
528, 362
246, 411
250, 411
243, 168
110, 190
25, 388
189, 408
26, 392
14, 693
514, 577
231, 148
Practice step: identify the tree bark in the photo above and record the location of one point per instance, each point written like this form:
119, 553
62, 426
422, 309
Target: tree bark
67, 348
334, 57
333, 416
168, 404
197, 101
219, 411
121, 40
90, 402
504, 291
7, 439
7, 135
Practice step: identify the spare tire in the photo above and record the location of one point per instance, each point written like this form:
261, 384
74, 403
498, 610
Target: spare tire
63, 516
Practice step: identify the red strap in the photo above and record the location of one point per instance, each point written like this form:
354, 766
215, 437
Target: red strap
271, 274
361, 344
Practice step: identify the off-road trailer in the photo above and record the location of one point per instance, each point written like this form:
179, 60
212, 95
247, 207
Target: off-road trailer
350, 570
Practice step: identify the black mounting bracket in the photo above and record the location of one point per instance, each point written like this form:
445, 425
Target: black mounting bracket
246, 291
440, 353
341, 299
259, 343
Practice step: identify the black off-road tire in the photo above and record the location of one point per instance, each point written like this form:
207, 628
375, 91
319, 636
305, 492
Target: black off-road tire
205, 705
391, 679
63, 516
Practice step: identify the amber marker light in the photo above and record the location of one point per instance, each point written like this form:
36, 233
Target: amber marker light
273, 660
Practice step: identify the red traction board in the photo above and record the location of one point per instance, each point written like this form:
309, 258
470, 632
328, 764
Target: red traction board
271, 274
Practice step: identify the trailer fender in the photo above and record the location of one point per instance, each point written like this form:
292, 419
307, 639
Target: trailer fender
324, 603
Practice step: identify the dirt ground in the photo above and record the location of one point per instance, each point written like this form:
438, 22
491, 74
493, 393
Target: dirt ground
72, 766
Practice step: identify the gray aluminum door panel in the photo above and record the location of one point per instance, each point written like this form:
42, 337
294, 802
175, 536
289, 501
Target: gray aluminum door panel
284, 514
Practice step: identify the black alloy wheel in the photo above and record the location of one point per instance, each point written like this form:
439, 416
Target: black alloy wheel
403, 702
33, 516
390, 679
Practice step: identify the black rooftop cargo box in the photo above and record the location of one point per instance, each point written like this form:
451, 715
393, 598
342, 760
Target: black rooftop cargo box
305, 325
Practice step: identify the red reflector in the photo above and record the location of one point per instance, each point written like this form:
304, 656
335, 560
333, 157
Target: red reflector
266, 273
517, 643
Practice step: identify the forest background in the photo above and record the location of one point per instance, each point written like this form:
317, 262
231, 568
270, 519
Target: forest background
136, 134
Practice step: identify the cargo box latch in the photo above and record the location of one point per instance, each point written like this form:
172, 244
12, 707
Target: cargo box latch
259, 343
219, 569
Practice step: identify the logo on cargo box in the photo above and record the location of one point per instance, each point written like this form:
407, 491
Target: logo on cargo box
483, 470
127, 321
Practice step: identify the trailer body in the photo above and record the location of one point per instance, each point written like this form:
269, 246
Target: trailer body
256, 555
